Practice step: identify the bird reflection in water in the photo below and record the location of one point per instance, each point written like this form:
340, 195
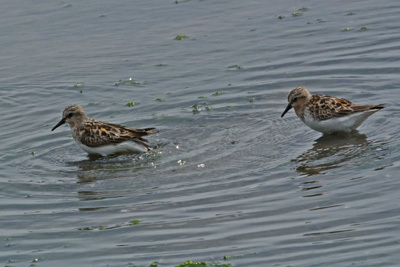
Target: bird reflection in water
331, 151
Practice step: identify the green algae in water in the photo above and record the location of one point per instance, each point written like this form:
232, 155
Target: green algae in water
297, 14
251, 100
303, 9
134, 222
160, 99
131, 104
154, 264
236, 67
180, 37
281, 17
347, 29
77, 85
202, 264
196, 108
208, 108
218, 93
129, 81
363, 28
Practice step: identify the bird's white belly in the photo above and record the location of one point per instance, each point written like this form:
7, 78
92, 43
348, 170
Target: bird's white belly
341, 124
125, 147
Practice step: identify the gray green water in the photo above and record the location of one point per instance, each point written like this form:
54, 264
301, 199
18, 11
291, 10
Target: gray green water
231, 183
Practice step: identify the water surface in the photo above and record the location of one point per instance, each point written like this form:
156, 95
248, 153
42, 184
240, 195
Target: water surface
229, 181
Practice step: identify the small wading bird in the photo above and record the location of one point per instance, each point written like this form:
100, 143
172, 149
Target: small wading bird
97, 137
328, 114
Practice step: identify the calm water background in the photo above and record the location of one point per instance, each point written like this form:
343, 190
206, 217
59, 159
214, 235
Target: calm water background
231, 180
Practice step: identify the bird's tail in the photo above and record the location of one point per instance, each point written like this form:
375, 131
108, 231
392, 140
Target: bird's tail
144, 132
368, 108
378, 107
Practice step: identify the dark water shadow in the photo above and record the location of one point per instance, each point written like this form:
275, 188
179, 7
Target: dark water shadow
331, 151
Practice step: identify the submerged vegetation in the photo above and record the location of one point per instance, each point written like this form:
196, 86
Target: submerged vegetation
218, 93
129, 81
297, 14
108, 227
236, 67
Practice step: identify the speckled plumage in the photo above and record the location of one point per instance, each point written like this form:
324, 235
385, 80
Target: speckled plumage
97, 137
328, 114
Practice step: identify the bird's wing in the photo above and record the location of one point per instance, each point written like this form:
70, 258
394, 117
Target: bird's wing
326, 107
97, 133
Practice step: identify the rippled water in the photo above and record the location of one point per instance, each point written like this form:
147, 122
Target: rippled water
229, 182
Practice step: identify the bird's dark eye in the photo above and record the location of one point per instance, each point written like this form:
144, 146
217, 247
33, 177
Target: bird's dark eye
295, 99
69, 115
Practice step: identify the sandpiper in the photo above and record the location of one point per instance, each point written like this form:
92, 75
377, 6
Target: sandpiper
328, 114
97, 137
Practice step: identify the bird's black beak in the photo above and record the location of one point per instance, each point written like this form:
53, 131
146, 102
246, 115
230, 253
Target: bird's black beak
58, 124
286, 110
